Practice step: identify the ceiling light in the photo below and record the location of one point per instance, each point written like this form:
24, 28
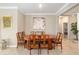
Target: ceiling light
40, 5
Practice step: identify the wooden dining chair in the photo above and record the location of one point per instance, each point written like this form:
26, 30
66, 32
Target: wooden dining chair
30, 42
58, 41
20, 39
33, 39
26, 38
56, 37
48, 43
22, 35
44, 42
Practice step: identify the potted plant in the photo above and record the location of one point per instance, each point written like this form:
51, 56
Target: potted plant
74, 29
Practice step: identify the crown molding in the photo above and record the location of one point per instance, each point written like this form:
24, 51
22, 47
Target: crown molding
39, 13
8, 7
66, 7
61, 8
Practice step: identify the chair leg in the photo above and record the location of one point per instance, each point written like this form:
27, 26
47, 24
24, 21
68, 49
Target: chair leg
17, 45
47, 51
24, 45
40, 50
61, 46
30, 51
57, 45
29, 46
54, 45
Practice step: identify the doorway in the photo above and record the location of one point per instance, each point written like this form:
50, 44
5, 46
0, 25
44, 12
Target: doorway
64, 26
65, 30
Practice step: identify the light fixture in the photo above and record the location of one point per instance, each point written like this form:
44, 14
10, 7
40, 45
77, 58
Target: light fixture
40, 5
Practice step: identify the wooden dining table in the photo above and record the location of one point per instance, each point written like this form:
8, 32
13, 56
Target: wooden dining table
27, 40
51, 37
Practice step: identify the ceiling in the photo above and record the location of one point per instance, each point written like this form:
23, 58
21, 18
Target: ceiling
33, 8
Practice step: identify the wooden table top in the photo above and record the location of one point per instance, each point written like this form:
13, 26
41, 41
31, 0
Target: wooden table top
26, 37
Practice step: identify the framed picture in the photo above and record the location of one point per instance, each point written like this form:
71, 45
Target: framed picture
39, 23
7, 21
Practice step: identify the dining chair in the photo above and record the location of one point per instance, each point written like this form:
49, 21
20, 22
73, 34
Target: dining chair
44, 42
58, 41
20, 38
29, 43
33, 42
26, 38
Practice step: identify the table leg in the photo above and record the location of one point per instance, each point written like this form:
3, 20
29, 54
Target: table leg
39, 47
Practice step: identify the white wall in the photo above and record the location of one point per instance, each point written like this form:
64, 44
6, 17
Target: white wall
78, 21
50, 23
20, 22
78, 24
57, 24
0, 29
78, 27
9, 33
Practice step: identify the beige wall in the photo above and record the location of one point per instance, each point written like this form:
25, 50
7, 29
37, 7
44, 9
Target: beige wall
78, 23
78, 20
9, 33
51, 20
72, 11
20, 22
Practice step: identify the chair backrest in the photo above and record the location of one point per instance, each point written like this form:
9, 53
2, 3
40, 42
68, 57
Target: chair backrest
47, 36
23, 33
32, 36
44, 37
17, 36
58, 35
36, 36
26, 37
20, 35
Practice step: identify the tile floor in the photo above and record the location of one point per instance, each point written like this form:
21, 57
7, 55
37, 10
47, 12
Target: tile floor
70, 47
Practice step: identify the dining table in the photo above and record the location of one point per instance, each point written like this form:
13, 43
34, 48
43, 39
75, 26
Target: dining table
51, 37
